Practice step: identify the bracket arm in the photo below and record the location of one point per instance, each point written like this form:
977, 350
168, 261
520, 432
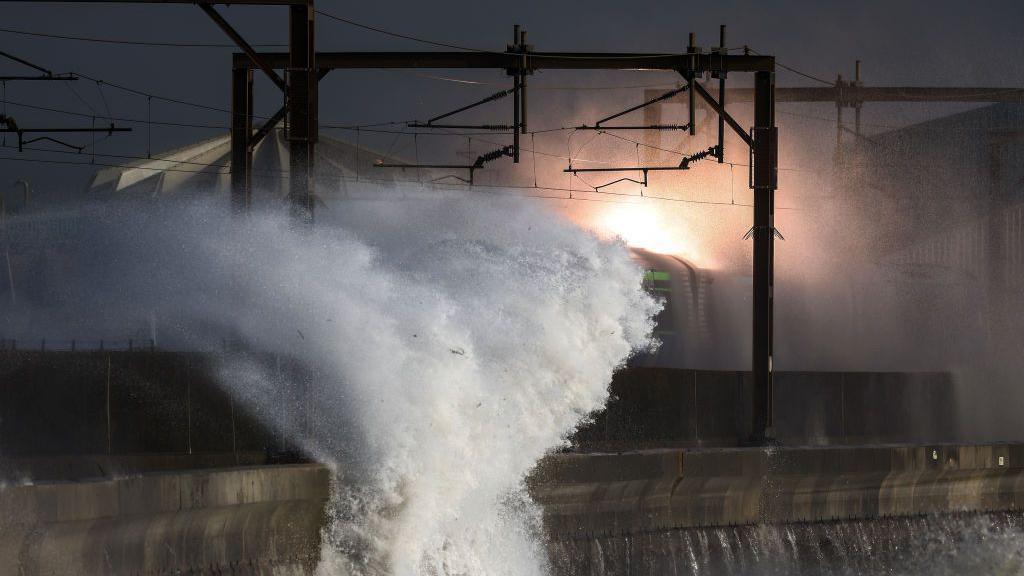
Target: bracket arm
664, 96
721, 112
249, 50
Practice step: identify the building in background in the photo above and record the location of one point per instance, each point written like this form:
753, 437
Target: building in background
940, 206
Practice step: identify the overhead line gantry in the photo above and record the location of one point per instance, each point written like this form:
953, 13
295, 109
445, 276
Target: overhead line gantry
46, 74
8, 125
303, 68
520, 60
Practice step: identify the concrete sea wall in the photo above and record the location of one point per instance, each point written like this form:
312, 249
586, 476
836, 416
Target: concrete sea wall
250, 520
586, 495
121, 402
151, 401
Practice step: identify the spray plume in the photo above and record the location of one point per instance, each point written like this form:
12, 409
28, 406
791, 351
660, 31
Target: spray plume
457, 341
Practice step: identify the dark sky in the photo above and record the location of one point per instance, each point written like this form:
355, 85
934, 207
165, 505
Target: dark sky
908, 43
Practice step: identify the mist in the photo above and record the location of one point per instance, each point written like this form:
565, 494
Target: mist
456, 341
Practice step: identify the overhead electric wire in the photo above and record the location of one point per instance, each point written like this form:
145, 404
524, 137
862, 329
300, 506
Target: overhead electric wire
347, 127
367, 128
915, 126
200, 165
678, 153
396, 34
117, 118
79, 97
479, 50
804, 74
103, 97
169, 44
131, 42
284, 173
158, 97
371, 127
91, 163
795, 71
131, 157
542, 87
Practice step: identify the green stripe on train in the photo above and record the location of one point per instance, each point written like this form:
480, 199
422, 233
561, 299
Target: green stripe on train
654, 275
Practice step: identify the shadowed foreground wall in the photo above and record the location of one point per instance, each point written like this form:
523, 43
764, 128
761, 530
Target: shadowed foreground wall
129, 462
258, 520
130, 402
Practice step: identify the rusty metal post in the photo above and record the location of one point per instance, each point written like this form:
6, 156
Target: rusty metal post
301, 104
765, 151
241, 130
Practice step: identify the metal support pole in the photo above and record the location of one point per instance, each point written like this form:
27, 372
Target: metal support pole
721, 97
856, 106
107, 400
839, 120
765, 172
237, 38
517, 83
522, 82
302, 112
691, 78
250, 147
188, 408
1002, 323
234, 439
241, 130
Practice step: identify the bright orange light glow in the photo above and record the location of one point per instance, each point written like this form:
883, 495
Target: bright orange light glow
643, 226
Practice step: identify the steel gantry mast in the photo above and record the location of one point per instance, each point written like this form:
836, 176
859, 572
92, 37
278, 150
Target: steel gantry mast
299, 90
304, 67
851, 94
521, 60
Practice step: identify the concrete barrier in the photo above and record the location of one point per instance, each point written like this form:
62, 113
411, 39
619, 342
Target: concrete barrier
661, 407
141, 401
587, 495
76, 467
237, 520
128, 402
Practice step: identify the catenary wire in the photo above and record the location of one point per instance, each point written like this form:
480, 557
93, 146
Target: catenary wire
99, 40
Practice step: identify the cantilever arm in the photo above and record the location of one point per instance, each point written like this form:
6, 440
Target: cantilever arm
664, 96
249, 50
491, 98
46, 74
725, 115
683, 165
477, 165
